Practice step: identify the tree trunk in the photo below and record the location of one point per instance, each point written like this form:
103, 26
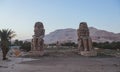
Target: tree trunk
4, 51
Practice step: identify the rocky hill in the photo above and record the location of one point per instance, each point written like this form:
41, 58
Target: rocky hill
69, 34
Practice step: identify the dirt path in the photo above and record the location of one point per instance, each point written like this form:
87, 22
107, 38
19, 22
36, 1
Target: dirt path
66, 64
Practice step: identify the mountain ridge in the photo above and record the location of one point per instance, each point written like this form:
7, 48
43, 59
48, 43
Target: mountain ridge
70, 35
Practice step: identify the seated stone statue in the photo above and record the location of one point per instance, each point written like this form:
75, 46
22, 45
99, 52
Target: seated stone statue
37, 41
84, 40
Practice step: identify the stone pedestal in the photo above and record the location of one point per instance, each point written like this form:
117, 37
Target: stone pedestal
88, 53
36, 53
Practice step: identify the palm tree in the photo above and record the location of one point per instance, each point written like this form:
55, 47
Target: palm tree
5, 36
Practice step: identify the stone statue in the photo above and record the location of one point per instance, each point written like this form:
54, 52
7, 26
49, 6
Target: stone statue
37, 41
84, 40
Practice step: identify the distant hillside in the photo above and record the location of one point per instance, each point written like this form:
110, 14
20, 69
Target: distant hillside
69, 34
61, 35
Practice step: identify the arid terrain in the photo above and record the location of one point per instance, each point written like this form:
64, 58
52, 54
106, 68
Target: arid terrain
61, 63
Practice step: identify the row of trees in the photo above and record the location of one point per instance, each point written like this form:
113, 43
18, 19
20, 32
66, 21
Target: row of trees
104, 45
65, 44
25, 46
107, 45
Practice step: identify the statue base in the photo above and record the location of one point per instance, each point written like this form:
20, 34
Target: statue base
36, 53
88, 53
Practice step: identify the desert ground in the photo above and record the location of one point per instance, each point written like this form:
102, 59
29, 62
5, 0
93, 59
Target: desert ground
61, 63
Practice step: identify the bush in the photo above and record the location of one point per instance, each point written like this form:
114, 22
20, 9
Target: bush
69, 44
26, 46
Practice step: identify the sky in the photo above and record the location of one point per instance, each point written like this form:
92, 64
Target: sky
21, 15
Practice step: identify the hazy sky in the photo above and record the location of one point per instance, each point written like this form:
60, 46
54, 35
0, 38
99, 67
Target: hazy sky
21, 15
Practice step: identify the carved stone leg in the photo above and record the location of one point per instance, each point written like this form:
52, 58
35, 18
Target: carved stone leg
32, 45
88, 50
79, 45
85, 44
41, 45
90, 44
82, 45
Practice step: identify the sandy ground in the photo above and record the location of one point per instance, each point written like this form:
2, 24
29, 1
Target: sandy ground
61, 64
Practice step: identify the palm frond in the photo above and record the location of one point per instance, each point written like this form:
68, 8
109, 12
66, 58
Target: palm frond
7, 34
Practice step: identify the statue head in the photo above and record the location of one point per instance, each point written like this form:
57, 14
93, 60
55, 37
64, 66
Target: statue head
83, 25
39, 25
83, 29
38, 29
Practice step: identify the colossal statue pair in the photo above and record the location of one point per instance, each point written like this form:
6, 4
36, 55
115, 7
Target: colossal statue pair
84, 40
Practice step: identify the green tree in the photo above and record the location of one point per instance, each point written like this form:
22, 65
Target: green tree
5, 36
26, 46
18, 43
